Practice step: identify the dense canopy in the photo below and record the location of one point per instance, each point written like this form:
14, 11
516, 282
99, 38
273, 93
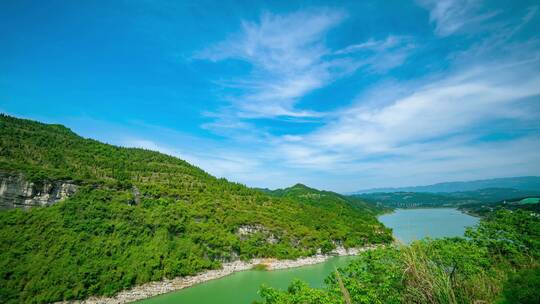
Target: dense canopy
140, 216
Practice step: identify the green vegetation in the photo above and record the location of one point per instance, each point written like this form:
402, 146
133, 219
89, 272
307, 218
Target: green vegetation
337, 207
529, 200
531, 204
496, 263
326, 199
260, 267
477, 202
448, 199
522, 287
140, 216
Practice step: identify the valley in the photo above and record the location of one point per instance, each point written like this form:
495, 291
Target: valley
270, 152
88, 221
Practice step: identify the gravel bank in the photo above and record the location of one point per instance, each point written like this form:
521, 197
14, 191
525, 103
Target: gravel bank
168, 285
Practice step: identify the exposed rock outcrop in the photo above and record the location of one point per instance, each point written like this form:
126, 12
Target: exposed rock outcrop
245, 231
18, 192
136, 196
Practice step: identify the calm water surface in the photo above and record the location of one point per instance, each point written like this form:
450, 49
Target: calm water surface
414, 224
242, 287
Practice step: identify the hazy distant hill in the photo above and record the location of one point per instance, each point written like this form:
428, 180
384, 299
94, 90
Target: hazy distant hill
445, 199
519, 183
531, 204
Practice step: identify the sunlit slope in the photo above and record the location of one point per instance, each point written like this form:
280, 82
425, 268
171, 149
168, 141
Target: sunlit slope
141, 215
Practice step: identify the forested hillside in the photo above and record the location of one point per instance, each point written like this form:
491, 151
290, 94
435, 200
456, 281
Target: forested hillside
531, 204
447, 199
140, 215
326, 198
337, 206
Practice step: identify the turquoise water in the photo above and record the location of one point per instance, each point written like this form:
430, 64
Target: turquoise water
242, 287
414, 224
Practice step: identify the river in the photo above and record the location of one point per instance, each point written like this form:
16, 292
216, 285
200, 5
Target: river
242, 287
414, 224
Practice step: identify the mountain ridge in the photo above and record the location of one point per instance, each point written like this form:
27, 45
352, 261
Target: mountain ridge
518, 182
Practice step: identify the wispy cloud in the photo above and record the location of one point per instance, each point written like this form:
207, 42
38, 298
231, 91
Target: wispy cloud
286, 53
437, 109
436, 130
340, 98
451, 16
433, 128
290, 60
380, 56
390, 42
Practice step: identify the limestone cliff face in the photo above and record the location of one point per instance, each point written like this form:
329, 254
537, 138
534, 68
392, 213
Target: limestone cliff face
18, 192
245, 231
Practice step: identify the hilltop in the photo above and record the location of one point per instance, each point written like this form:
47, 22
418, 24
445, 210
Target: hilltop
136, 216
327, 199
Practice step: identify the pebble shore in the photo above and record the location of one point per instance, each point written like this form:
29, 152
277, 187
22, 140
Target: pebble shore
168, 285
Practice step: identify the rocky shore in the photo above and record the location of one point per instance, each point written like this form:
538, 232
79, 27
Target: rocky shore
168, 285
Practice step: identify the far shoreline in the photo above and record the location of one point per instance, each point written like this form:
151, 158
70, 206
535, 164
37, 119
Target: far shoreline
429, 207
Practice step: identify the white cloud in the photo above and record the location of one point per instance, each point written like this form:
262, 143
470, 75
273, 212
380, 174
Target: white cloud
450, 161
451, 16
286, 53
290, 59
380, 55
390, 42
531, 13
431, 132
398, 133
437, 109
416, 134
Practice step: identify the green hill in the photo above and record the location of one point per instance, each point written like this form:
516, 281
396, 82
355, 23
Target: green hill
337, 206
140, 215
531, 204
326, 199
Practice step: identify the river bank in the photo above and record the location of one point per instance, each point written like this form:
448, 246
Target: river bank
168, 285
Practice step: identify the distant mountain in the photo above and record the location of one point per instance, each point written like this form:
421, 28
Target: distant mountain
519, 183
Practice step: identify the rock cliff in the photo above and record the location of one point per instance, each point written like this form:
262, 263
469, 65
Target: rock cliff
18, 192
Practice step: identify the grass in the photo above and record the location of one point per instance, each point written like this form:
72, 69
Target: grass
530, 200
426, 281
260, 267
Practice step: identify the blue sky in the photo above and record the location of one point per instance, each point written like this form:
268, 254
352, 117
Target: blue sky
340, 95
